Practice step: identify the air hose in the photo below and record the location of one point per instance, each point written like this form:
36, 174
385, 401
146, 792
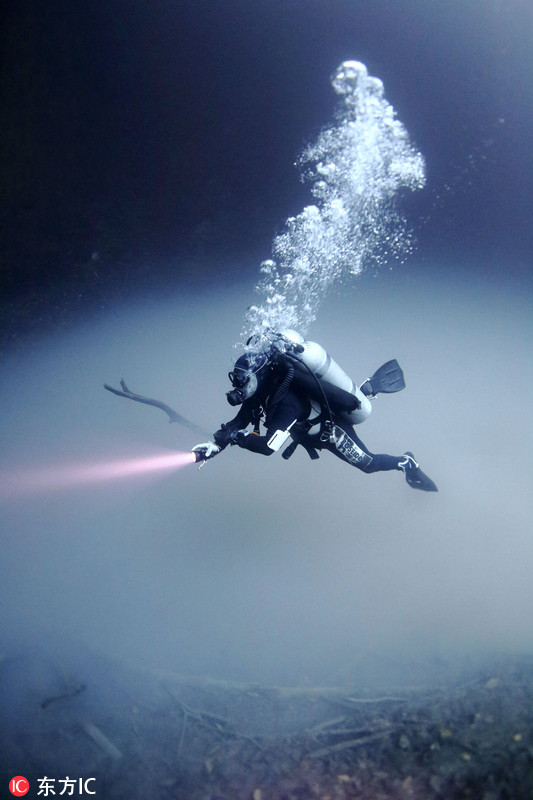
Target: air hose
283, 388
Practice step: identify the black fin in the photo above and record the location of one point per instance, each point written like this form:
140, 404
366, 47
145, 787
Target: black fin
385, 380
418, 479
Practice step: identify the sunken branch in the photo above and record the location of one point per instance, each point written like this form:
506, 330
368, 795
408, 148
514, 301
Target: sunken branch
173, 415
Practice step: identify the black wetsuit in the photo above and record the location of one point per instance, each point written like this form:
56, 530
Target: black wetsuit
343, 441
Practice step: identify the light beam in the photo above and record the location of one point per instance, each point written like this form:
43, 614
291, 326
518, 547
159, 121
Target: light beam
20, 483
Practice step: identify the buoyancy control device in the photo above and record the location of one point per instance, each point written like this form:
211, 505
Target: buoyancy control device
321, 376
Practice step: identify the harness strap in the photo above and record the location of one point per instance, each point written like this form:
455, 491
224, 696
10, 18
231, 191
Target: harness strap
301, 429
289, 450
311, 452
257, 415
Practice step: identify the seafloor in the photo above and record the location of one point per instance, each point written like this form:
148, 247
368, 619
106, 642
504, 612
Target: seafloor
163, 736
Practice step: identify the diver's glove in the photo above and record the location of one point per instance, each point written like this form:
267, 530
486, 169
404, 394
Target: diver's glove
239, 437
222, 437
205, 450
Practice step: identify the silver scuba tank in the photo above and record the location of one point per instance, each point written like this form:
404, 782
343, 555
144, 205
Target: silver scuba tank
323, 366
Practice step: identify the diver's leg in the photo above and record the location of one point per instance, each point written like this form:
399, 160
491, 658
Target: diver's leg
345, 444
407, 463
381, 462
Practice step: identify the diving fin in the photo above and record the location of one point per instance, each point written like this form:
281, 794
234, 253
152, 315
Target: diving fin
385, 380
414, 475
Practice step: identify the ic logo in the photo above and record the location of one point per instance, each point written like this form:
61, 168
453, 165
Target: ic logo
19, 786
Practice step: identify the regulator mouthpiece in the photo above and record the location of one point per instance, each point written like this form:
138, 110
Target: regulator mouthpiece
236, 397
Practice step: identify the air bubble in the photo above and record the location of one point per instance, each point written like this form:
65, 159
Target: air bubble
356, 168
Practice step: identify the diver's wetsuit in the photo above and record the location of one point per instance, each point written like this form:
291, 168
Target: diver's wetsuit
344, 442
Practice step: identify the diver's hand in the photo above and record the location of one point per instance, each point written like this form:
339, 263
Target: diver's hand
205, 450
239, 437
222, 437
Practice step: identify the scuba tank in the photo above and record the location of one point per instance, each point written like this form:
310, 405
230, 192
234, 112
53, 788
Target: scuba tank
318, 362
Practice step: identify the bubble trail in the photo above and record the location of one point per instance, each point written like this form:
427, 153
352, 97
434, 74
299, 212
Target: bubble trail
357, 168
22, 483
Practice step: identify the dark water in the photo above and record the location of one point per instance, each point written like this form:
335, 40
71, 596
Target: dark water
155, 146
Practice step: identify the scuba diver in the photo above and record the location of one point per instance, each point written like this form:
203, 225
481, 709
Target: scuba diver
299, 393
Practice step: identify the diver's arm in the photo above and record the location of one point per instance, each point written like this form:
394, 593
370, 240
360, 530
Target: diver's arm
225, 434
227, 431
253, 442
278, 432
